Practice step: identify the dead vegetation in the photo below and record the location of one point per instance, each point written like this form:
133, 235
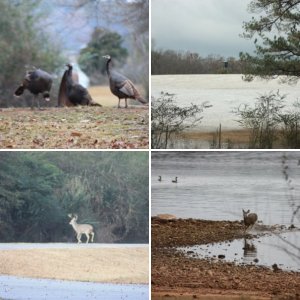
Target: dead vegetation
82, 127
74, 127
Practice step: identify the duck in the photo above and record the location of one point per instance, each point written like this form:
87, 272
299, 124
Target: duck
174, 180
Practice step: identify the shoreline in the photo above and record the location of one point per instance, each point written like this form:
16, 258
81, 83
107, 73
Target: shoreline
177, 276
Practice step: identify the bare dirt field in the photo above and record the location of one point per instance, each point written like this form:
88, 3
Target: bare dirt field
90, 127
175, 276
126, 265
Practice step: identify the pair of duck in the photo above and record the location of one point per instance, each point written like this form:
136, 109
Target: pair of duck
174, 180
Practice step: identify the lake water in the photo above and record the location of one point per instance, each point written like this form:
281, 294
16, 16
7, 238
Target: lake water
218, 185
223, 92
265, 251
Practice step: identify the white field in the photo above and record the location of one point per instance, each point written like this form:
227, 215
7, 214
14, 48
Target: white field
223, 92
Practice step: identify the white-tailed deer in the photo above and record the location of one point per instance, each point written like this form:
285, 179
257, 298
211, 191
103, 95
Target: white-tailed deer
249, 219
81, 229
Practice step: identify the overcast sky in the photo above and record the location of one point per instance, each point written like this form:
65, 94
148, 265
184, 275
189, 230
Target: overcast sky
202, 26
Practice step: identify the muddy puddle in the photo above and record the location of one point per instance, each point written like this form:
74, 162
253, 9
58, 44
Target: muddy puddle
281, 249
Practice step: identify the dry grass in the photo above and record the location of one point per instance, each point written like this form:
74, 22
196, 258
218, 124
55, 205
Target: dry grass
85, 127
75, 127
235, 136
103, 95
116, 265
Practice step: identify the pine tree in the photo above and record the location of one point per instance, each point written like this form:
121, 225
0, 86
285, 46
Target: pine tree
276, 35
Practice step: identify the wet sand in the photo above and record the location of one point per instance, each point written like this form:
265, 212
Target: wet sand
175, 275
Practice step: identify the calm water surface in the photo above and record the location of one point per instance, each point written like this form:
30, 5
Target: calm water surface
224, 92
217, 185
265, 251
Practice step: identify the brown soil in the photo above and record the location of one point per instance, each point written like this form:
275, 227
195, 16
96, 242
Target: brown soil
174, 275
116, 265
75, 127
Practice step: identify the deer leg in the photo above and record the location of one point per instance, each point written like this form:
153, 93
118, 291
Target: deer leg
119, 103
87, 237
126, 103
79, 238
92, 233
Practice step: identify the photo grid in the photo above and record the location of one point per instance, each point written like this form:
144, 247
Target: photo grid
149, 149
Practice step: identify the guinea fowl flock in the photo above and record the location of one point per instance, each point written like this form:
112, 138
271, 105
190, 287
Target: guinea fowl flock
72, 93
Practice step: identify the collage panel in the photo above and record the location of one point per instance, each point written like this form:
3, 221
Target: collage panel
74, 225
225, 74
74, 74
97, 211
225, 225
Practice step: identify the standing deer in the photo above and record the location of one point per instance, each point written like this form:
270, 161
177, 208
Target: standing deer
249, 219
81, 229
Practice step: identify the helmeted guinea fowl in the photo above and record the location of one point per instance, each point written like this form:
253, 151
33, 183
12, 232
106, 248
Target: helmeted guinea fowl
36, 82
72, 93
121, 86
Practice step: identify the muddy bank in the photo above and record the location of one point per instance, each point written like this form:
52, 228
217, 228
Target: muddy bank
175, 274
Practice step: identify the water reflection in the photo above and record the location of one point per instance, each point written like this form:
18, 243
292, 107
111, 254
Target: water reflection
250, 251
281, 249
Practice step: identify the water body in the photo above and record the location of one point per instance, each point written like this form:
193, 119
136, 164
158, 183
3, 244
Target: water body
264, 251
223, 92
18, 288
218, 185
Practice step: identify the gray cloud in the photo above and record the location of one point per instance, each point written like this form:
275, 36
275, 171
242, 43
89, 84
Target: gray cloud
203, 26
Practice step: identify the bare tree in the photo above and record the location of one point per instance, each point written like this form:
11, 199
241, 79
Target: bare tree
169, 119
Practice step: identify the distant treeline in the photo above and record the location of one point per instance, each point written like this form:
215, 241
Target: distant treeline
172, 62
107, 190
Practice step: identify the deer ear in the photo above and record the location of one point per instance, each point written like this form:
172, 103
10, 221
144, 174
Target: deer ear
70, 216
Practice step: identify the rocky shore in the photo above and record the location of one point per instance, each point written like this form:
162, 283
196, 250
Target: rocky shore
177, 276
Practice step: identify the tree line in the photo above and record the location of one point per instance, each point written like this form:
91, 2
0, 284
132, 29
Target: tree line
177, 62
28, 41
108, 190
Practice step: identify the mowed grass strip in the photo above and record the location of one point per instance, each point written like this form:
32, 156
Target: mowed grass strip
108, 265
